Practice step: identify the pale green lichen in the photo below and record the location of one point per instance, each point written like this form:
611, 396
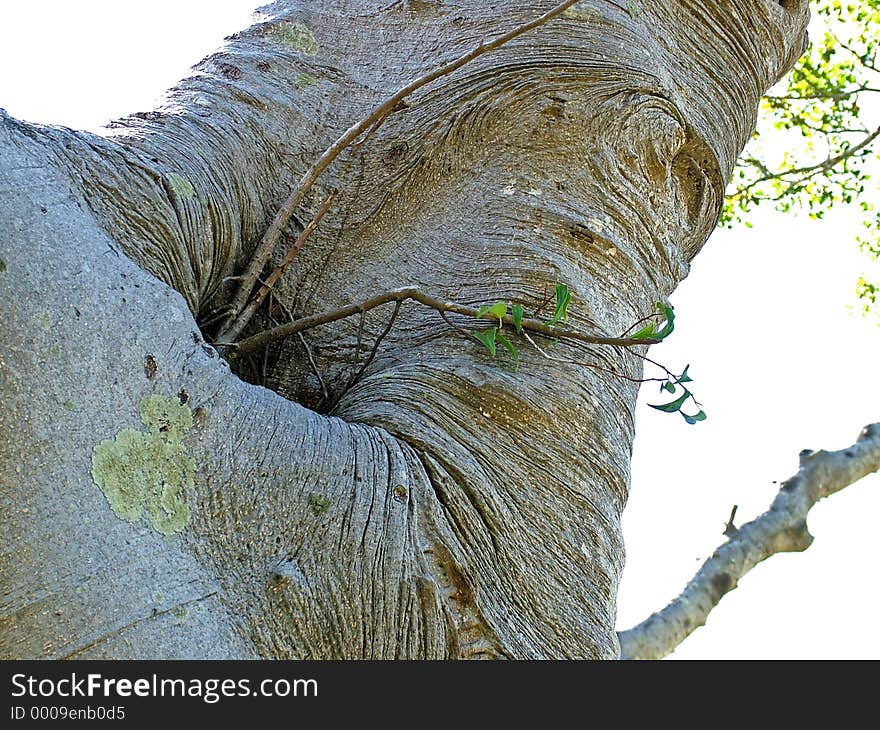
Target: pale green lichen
581, 12
295, 36
147, 474
181, 187
318, 503
303, 81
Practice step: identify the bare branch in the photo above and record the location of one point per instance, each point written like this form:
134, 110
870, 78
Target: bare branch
782, 528
234, 330
262, 339
823, 95
372, 120
813, 170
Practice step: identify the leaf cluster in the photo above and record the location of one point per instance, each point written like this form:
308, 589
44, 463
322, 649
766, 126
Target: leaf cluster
818, 135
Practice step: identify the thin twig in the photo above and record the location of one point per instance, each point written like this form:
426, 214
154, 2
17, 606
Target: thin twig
375, 349
235, 329
544, 302
360, 336
591, 365
314, 366
638, 322
285, 213
262, 339
670, 375
264, 368
215, 317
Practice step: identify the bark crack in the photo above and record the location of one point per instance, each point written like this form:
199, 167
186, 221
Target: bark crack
116, 633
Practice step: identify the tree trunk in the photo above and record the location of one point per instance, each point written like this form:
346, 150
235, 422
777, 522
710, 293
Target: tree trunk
443, 505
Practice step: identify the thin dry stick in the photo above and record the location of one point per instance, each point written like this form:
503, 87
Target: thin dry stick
372, 356
592, 365
284, 214
314, 366
234, 330
262, 339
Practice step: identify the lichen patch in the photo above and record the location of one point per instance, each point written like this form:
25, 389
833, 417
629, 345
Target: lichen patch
146, 474
304, 80
296, 36
180, 186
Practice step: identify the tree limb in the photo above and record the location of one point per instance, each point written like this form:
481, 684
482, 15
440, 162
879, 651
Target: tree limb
782, 528
373, 119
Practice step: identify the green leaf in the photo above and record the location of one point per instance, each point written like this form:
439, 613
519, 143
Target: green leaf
563, 298
649, 331
684, 377
670, 387
497, 310
672, 406
667, 328
508, 345
701, 416
517, 311
487, 337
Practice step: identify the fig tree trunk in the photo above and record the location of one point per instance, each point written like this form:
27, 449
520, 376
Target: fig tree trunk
444, 504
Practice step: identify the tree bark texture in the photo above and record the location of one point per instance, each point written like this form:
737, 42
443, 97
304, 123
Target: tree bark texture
154, 504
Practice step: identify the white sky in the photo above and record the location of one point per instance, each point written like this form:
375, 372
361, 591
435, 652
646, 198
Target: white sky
779, 362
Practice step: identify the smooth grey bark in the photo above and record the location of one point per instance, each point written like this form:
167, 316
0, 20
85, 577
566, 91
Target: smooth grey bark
446, 506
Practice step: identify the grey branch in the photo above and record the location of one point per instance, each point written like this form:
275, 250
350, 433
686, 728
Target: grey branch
782, 528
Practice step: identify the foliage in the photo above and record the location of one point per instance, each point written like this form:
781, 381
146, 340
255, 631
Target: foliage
649, 331
676, 405
653, 332
818, 135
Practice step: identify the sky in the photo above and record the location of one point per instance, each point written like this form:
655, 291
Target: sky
767, 320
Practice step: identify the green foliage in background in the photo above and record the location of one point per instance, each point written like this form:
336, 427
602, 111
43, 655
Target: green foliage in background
818, 135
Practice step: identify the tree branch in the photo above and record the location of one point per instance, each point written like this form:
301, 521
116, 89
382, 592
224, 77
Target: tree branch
266, 337
782, 528
824, 95
234, 330
373, 119
815, 169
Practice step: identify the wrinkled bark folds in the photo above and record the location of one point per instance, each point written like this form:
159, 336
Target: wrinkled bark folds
447, 506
